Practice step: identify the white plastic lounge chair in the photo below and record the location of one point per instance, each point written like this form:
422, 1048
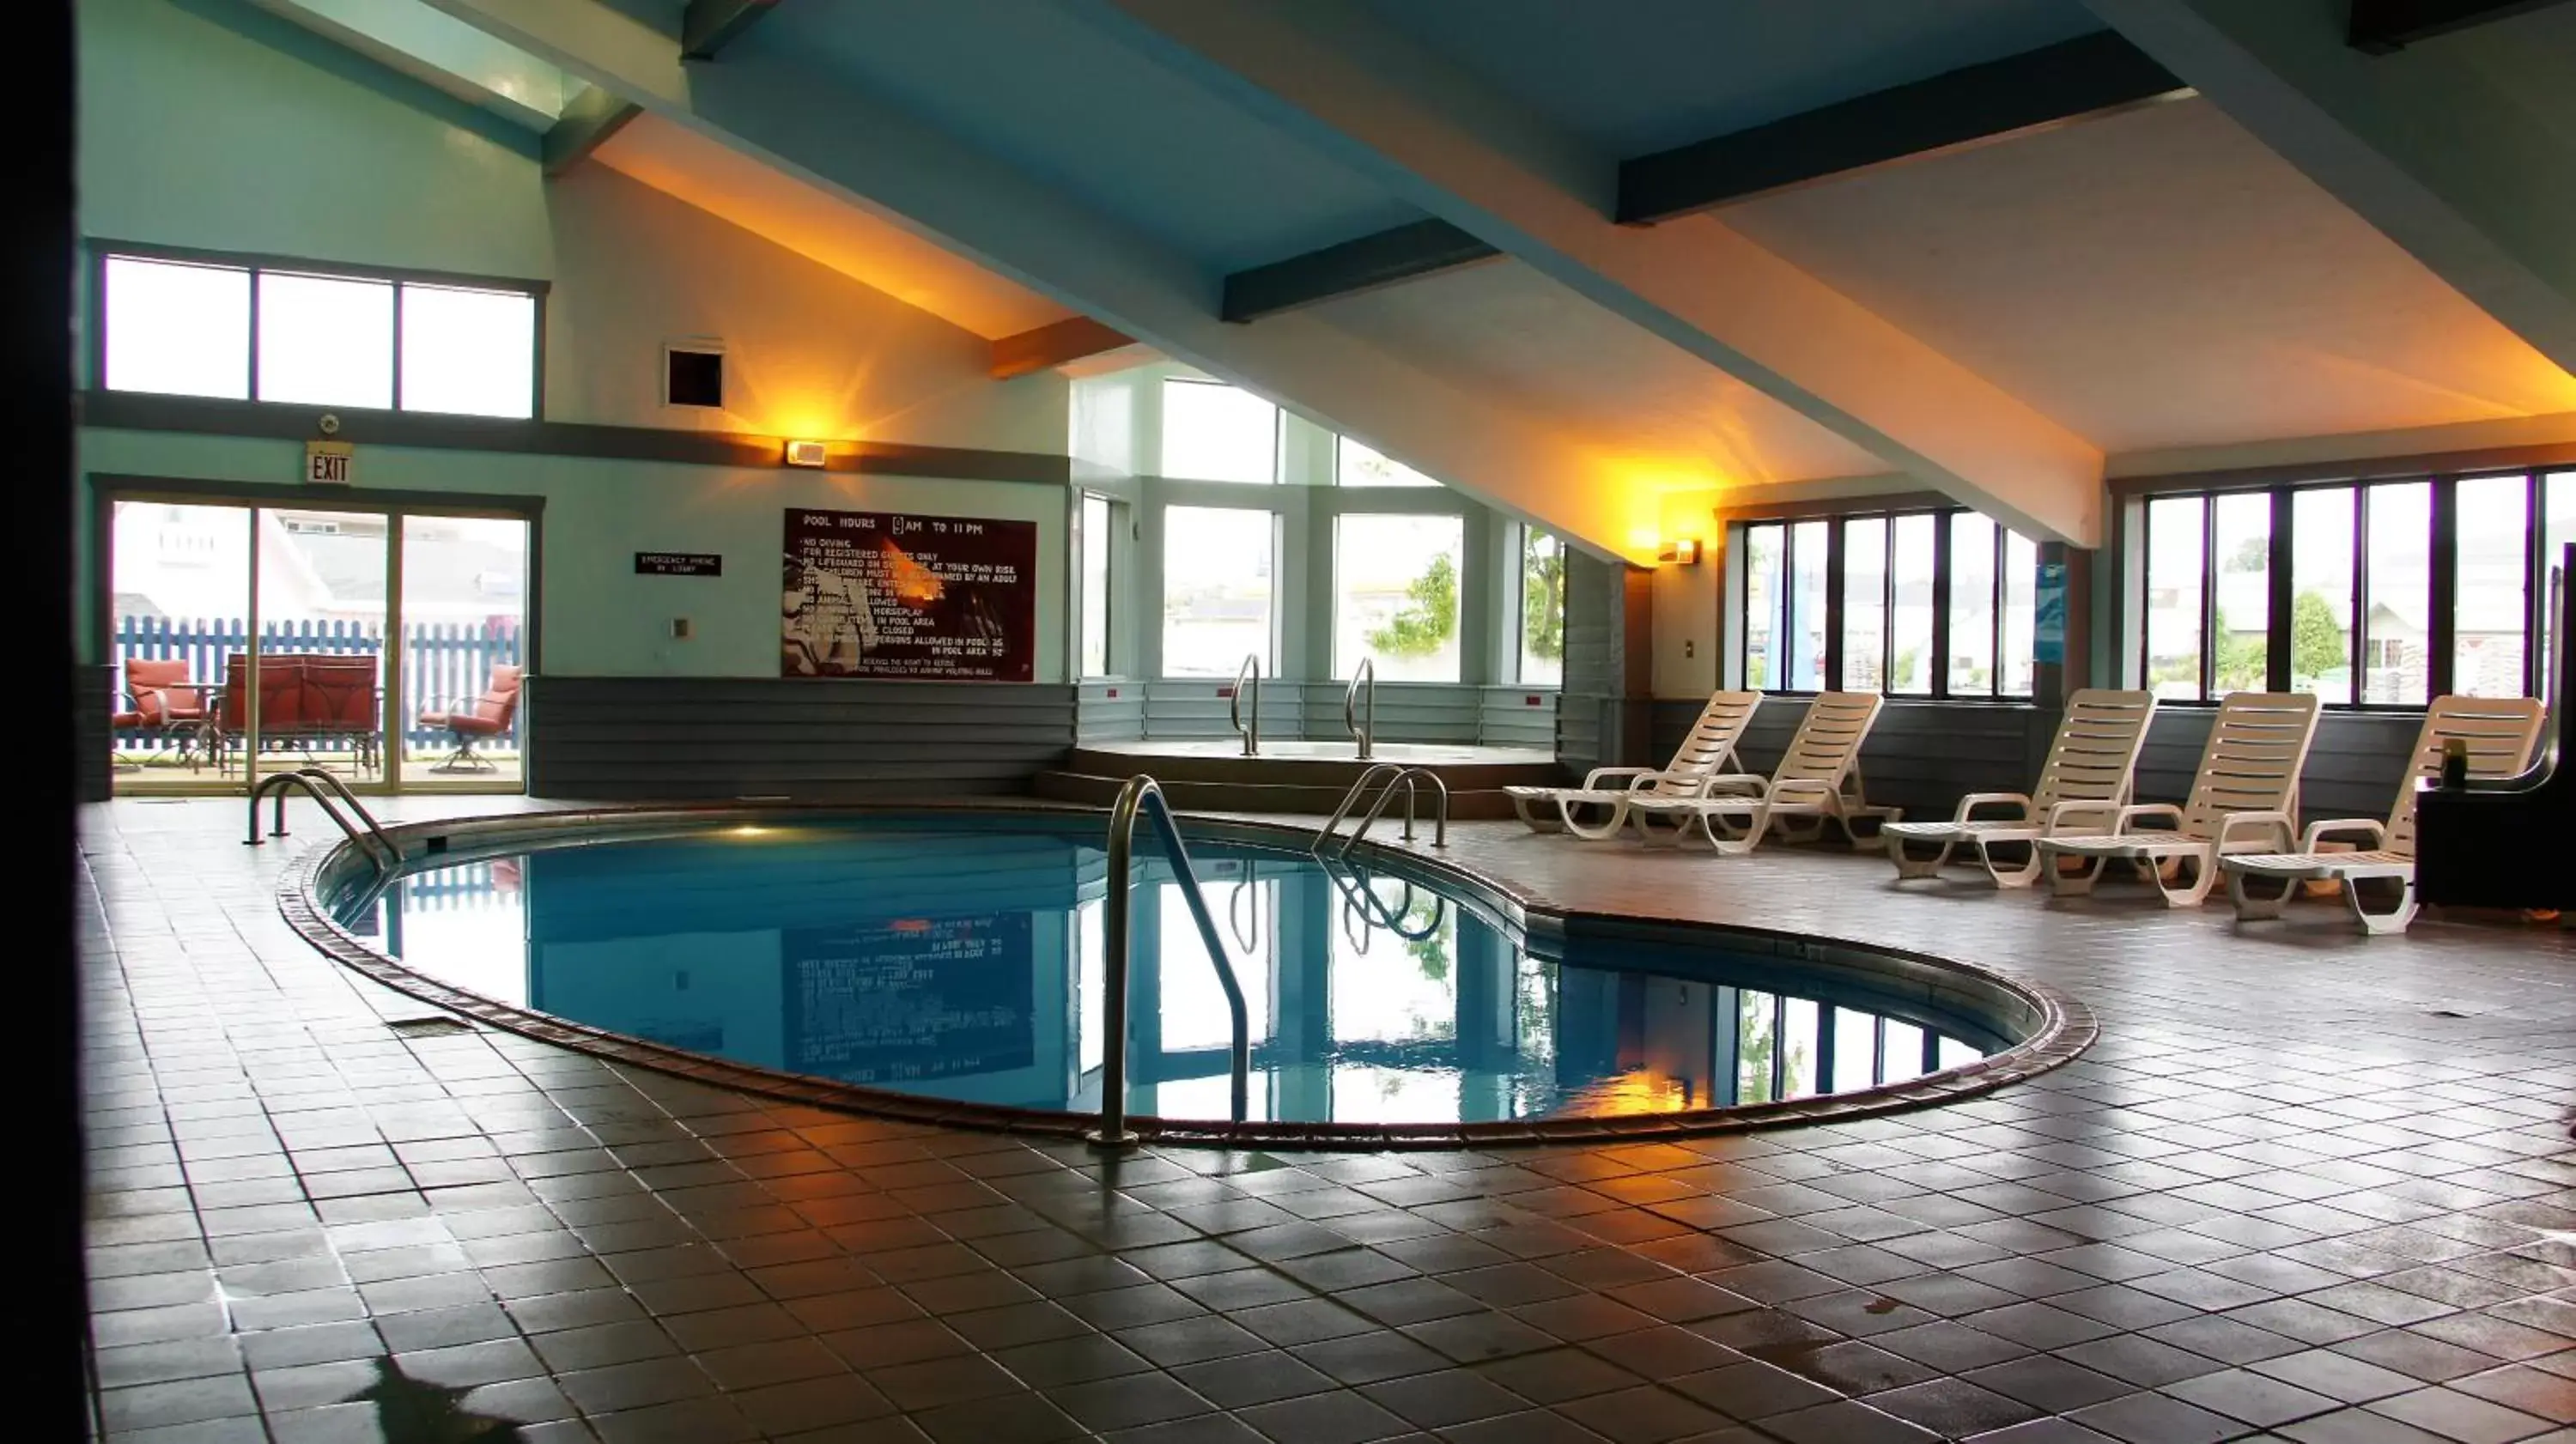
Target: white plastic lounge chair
1709, 751
1817, 782
2082, 787
2242, 800
2500, 733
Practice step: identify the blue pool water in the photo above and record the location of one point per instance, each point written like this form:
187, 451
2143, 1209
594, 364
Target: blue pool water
963, 961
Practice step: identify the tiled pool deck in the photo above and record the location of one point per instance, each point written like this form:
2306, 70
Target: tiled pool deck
2304, 1183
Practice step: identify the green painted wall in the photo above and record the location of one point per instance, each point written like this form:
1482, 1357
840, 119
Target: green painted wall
210, 124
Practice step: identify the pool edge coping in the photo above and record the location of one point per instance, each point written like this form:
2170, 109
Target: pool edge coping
2066, 1026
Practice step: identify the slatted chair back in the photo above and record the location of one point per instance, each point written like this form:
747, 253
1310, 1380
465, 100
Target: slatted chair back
2257, 744
2095, 756
1710, 748
2500, 733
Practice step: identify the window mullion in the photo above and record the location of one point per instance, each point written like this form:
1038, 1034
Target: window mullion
401, 290
2536, 620
2281, 631
1941, 579
1835, 554
2442, 574
2208, 594
2358, 645
1995, 615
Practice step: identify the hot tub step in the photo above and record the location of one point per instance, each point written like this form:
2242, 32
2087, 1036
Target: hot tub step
1192, 796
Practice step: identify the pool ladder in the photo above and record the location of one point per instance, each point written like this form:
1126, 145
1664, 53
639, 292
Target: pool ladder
1143, 794
1247, 677
323, 787
1394, 775
1363, 684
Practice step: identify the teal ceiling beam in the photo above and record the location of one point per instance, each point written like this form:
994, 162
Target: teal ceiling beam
711, 25
592, 116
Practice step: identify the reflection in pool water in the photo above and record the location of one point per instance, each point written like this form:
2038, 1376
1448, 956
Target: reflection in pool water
967, 964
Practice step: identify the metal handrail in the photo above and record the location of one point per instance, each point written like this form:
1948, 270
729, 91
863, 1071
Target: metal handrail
1360, 899
1366, 733
378, 847
1403, 777
1117, 937
1251, 669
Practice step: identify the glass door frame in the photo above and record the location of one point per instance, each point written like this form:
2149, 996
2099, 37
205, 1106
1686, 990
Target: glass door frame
395, 506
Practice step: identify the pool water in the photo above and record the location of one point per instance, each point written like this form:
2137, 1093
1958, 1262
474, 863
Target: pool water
964, 961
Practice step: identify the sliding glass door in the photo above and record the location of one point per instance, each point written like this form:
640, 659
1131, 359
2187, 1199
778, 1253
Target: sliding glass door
248, 637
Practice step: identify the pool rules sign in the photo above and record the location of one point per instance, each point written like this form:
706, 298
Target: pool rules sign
893, 594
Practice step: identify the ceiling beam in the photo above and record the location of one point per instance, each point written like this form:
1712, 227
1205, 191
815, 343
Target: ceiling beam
1336, 76
1025, 227
1398, 253
2384, 27
589, 119
2072, 80
1070, 339
711, 25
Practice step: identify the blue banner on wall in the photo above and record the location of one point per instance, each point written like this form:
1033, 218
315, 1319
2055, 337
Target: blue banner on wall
2048, 615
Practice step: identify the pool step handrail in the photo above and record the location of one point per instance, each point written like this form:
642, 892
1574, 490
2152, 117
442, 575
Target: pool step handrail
1143, 794
322, 787
1394, 775
1360, 900
1363, 683
1249, 674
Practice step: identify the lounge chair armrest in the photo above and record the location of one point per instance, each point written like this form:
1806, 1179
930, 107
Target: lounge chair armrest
1791, 787
1593, 779
2370, 827
2282, 826
2171, 815
1717, 782
1969, 804
2106, 814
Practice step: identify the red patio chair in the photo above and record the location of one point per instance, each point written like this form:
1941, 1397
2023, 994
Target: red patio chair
489, 717
339, 701
157, 700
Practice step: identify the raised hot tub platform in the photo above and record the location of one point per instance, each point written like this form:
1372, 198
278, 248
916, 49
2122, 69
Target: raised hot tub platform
1290, 776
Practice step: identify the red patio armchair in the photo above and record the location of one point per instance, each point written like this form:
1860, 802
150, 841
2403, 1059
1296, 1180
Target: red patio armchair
158, 699
489, 717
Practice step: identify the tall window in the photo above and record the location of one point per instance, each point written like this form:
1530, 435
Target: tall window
1092, 525
1542, 609
1395, 595
1907, 620
1218, 597
190, 328
1213, 432
1357, 465
2397, 590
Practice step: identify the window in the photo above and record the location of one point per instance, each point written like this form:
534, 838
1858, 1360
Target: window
1092, 528
1218, 566
1909, 620
1542, 647
1805, 634
1395, 595
2398, 591
1357, 465
188, 328
2491, 588
2559, 530
2176, 531
1218, 433
182, 330
1765, 549
473, 353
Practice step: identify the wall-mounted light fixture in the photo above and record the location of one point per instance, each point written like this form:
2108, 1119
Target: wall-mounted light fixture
1683, 553
805, 453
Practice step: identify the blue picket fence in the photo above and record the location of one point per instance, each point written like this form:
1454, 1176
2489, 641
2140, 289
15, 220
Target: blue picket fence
445, 664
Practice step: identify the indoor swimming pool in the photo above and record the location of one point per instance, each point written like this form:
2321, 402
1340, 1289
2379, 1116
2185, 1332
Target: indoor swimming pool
961, 957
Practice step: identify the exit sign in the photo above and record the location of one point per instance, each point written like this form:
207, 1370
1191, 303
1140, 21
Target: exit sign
330, 463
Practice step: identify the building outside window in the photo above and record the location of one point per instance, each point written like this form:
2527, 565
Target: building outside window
1892, 613
1219, 593
1395, 595
2397, 590
249, 333
1214, 432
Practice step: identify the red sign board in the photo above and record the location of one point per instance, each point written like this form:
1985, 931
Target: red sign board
891, 594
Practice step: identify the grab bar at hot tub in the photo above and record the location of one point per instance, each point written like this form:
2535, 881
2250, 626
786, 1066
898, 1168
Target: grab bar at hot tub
321, 786
1365, 679
1396, 776
1249, 672
1143, 794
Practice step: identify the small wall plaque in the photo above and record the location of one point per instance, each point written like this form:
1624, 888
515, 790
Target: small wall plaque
679, 564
